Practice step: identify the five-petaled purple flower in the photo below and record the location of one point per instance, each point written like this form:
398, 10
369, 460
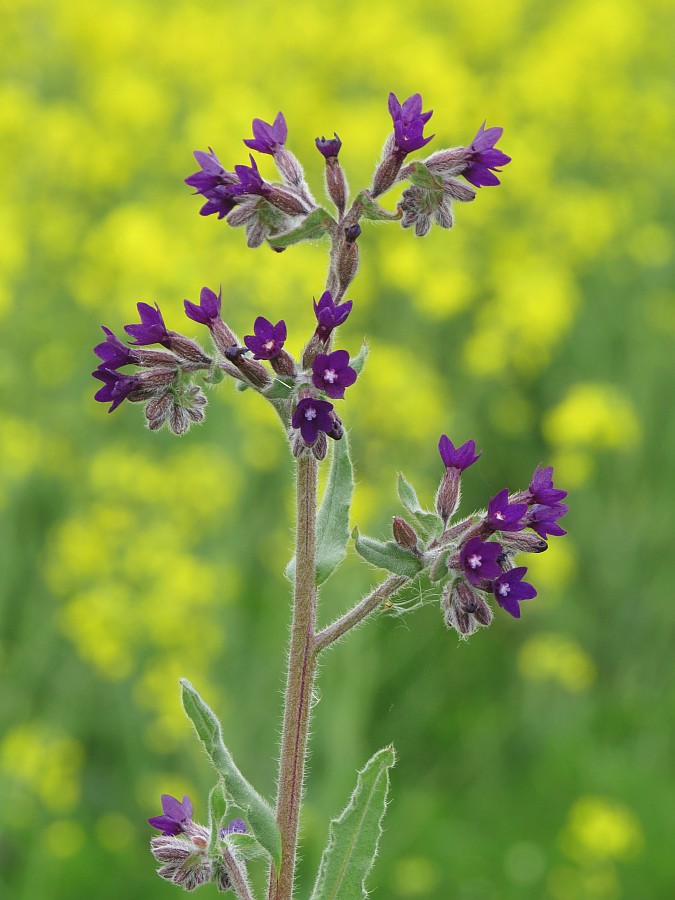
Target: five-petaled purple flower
460, 458
505, 516
312, 416
329, 315
328, 147
267, 138
509, 588
207, 311
113, 352
250, 181
152, 329
409, 122
267, 340
484, 158
116, 386
176, 815
213, 182
236, 826
479, 559
542, 490
543, 519
332, 373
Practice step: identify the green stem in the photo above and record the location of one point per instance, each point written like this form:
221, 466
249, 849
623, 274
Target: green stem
300, 680
361, 611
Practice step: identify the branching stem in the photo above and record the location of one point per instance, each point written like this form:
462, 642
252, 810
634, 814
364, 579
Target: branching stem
360, 612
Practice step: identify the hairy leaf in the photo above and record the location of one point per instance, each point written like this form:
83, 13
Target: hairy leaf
314, 226
429, 523
358, 362
372, 210
387, 555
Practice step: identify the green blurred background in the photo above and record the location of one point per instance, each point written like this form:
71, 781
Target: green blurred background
536, 760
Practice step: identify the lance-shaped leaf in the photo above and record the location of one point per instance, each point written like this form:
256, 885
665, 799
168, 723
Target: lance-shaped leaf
314, 226
245, 845
280, 389
372, 210
429, 523
217, 812
358, 362
353, 838
386, 555
418, 174
259, 814
332, 522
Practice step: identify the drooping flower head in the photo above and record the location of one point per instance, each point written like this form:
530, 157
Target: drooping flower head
312, 416
330, 315
460, 458
176, 815
116, 386
484, 158
509, 589
207, 311
505, 516
328, 147
267, 138
543, 519
332, 373
409, 122
113, 352
267, 340
541, 487
479, 560
151, 330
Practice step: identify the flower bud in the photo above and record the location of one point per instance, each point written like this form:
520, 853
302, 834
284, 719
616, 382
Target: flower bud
290, 169
352, 232
523, 542
223, 337
336, 184
179, 420
283, 364
348, 265
388, 169
252, 370
187, 349
320, 446
157, 410
448, 495
288, 202
404, 534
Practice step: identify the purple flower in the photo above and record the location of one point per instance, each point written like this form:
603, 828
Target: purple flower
236, 826
176, 815
329, 315
542, 490
207, 311
505, 516
543, 519
328, 147
479, 559
332, 373
461, 458
267, 138
312, 416
509, 589
113, 352
249, 181
483, 157
213, 182
116, 387
267, 340
152, 329
409, 122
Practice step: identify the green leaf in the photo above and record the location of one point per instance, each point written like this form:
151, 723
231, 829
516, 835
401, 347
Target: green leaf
358, 362
217, 812
429, 523
245, 845
314, 226
214, 376
280, 389
418, 173
241, 386
257, 812
373, 211
389, 555
332, 522
353, 838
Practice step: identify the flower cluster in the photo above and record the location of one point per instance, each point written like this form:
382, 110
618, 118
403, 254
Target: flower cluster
182, 848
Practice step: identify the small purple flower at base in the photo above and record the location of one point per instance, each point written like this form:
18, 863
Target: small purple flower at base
116, 386
312, 416
332, 373
460, 458
505, 516
484, 159
328, 147
267, 138
409, 122
176, 815
479, 560
267, 340
207, 311
330, 315
113, 352
152, 329
542, 490
543, 519
509, 589
236, 826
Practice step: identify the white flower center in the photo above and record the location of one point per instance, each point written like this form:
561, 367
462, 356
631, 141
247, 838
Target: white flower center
310, 413
270, 345
500, 516
330, 376
504, 589
475, 560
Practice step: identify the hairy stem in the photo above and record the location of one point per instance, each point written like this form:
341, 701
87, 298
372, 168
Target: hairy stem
238, 877
361, 611
300, 680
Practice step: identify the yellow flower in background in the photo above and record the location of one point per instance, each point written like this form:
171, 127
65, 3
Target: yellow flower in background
601, 829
